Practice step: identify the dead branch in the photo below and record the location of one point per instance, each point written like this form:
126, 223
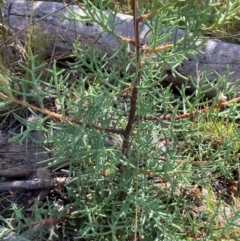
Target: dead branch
33, 184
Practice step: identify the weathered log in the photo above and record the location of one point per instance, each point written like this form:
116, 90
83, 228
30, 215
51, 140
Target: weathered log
26, 158
32, 184
20, 158
218, 58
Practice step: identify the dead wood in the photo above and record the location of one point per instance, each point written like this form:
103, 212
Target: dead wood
32, 184
20, 158
217, 58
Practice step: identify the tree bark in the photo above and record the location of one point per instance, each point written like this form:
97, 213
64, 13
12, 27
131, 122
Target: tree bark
18, 160
217, 58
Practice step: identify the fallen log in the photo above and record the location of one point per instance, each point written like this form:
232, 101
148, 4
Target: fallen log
20, 160
217, 59
32, 184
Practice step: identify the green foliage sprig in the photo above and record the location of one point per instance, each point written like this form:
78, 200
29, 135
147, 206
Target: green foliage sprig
135, 156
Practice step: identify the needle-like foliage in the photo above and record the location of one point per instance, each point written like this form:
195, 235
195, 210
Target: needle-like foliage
140, 159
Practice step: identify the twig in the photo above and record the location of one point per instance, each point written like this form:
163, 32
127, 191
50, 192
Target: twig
152, 14
168, 117
58, 116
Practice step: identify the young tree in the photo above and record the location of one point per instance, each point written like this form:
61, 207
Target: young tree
135, 160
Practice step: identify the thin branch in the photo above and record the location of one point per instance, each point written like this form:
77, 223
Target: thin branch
133, 104
152, 14
147, 49
129, 41
168, 117
58, 116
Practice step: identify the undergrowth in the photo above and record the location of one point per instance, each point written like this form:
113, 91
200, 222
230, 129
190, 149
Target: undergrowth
139, 163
